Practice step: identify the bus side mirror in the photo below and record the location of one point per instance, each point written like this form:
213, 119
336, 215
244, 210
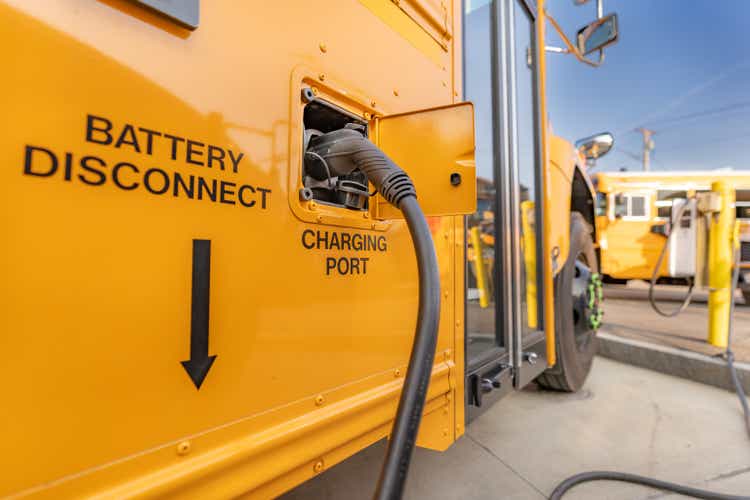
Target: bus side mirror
595, 146
597, 35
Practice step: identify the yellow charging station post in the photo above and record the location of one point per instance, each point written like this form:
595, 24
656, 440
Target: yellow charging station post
479, 267
529, 260
720, 248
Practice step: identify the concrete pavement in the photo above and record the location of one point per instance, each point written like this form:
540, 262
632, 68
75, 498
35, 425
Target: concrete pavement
626, 418
628, 314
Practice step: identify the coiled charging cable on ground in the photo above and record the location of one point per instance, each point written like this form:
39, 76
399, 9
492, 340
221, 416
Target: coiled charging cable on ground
657, 268
343, 151
585, 477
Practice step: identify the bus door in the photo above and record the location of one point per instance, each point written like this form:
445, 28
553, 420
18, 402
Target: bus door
504, 335
630, 243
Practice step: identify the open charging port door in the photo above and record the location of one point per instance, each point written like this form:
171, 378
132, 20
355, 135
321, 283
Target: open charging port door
436, 148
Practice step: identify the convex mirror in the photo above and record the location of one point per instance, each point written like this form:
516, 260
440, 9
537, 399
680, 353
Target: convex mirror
597, 35
595, 146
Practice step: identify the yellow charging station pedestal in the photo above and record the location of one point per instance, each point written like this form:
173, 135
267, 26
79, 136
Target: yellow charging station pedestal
720, 261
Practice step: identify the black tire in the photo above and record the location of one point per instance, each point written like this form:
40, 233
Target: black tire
574, 336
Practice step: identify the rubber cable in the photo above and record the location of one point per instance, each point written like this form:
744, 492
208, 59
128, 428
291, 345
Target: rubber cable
657, 268
585, 477
404, 434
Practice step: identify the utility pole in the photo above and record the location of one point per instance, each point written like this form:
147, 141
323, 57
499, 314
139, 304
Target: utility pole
648, 146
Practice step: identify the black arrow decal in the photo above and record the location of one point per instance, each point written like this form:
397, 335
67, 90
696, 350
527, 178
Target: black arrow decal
200, 362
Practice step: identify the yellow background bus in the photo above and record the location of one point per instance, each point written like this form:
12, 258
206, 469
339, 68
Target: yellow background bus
631, 204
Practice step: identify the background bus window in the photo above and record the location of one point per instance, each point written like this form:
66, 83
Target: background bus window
483, 338
664, 211
631, 206
601, 204
664, 200
527, 168
637, 206
742, 203
621, 206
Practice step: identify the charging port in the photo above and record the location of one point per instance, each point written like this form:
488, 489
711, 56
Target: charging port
349, 191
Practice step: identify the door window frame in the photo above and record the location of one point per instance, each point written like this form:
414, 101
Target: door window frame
508, 258
534, 341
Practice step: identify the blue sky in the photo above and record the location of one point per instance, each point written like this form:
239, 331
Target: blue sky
674, 59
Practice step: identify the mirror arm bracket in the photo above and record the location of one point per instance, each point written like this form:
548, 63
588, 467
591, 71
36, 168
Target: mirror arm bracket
572, 49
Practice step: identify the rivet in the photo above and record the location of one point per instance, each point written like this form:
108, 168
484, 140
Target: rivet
366, 115
372, 226
318, 467
447, 354
183, 448
373, 103
446, 235
458, 323
448, 397
445, 84
312, 205
366, 215
319, 218
446, 294
396, 373
395, 92
445, 411
455, 93
322, 77
323, 47
458, 429
315, 90
319, 399
445, 432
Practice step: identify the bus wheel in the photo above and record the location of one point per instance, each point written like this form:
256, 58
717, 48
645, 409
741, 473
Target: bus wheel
578, 313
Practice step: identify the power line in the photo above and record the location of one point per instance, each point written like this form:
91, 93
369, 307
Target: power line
696, 89
706, 143
634, 156
706, 112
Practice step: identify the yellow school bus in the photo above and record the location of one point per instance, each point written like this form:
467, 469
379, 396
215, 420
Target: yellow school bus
204, 297
632, 206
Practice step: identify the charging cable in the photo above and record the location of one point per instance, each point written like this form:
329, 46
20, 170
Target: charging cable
657, 268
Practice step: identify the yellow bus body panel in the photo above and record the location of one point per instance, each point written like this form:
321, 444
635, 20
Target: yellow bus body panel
96, 294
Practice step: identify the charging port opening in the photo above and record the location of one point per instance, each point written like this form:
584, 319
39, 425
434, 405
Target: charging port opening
347, 191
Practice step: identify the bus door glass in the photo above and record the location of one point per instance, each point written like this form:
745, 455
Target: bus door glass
504, 271
528, 182
484, 341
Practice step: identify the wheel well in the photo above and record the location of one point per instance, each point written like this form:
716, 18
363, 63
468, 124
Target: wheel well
582, 201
